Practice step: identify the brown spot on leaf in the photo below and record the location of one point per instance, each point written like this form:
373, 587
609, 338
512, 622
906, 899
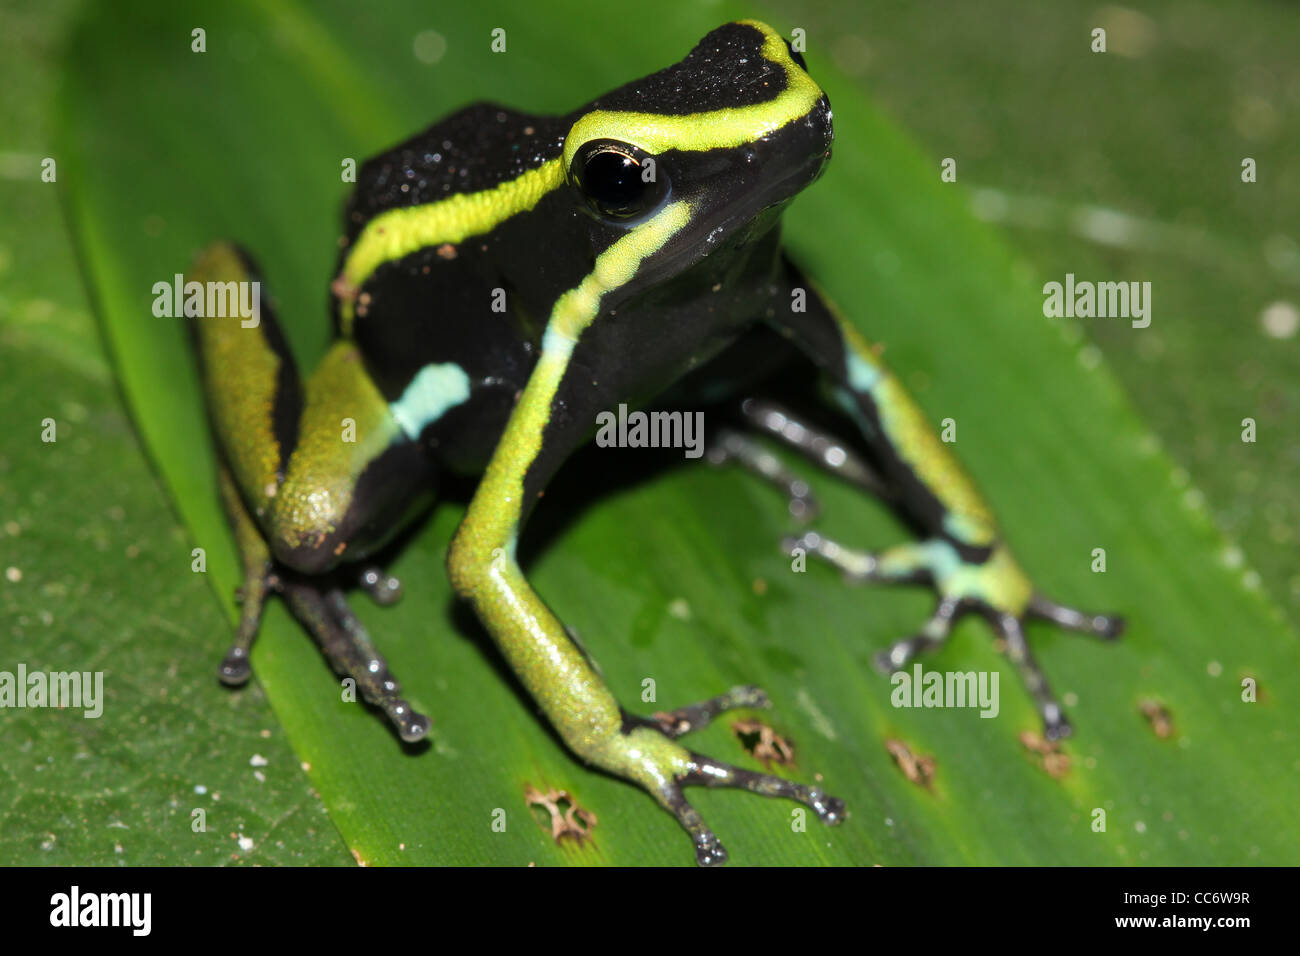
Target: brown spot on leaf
916, 767
1157, 716
1046, 754
567, 818
764, 743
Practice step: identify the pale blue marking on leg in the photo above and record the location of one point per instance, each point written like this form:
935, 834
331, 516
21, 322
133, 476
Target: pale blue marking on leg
433, 390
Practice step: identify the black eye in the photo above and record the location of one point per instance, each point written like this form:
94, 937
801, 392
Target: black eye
618, 180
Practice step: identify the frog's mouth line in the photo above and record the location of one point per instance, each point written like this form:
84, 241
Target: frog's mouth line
759, 210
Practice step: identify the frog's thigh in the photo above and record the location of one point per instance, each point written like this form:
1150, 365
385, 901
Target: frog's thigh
354, 475
326, 470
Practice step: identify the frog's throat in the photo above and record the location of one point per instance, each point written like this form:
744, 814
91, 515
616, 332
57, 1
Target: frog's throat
397, 233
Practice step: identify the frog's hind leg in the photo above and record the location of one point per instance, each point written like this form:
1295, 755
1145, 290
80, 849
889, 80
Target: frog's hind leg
324, 612
312, 475
961, 552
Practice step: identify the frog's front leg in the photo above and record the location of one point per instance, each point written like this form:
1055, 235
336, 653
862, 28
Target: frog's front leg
482, 566
962, 554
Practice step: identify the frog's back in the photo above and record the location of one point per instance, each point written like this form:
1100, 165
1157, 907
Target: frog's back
474, 149
442, 272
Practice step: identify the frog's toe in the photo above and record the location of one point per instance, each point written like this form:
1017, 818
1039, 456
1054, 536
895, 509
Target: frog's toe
684, 720
707, 772
235, 667
1058, 728
1008, 627
932, 636
411, 726
259, 579
732, 446
709, 850
832, 811
384, 588
351, 652
1105, 626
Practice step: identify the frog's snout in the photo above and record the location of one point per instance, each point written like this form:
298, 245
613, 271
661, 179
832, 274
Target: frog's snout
822, 118
816, 133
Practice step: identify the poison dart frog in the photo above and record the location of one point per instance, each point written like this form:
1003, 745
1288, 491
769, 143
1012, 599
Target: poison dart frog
505, 278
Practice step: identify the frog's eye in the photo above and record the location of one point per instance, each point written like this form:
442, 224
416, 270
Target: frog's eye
618, 180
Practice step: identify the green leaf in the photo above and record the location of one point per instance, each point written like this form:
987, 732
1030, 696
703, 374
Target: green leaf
94, 577
678, 578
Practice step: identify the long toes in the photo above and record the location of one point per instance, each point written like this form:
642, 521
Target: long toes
855, 565
1105, 626
900, 653
714, 773
684, 720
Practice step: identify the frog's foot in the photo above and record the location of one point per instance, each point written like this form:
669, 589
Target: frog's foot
351, 652
384, 589
691, 769
996, 589
733, 446
706, 772
822, 448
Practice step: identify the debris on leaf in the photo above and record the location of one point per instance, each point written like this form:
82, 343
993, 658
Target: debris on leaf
1158, 717
567, 818
1047, 754
916, 767
764, 743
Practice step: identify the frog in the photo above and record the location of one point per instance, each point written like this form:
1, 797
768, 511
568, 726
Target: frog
503, 279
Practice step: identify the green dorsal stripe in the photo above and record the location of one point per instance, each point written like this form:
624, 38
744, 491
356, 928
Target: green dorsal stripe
398, 232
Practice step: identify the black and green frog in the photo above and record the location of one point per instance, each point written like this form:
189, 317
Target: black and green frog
504, 278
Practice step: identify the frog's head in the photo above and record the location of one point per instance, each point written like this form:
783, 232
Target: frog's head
701, 156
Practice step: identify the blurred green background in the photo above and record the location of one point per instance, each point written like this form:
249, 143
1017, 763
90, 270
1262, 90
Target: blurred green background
1131, 172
